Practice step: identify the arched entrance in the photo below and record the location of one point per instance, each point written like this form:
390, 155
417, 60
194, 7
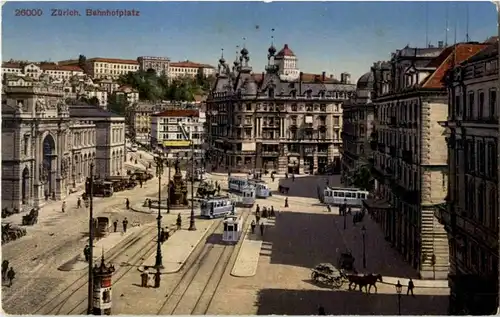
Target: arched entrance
49, 147
25, 186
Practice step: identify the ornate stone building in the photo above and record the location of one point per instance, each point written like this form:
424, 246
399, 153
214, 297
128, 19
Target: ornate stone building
410, 159
47, 145
358, 116
471, 215
276, 121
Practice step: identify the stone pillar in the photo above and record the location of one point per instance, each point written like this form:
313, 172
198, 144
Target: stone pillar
37, 184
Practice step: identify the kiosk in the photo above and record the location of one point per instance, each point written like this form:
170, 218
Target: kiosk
102, 288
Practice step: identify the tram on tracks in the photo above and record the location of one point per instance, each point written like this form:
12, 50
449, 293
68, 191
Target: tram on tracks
232, 228
261, 188
245, 197
237, 184
349, 196
217, 207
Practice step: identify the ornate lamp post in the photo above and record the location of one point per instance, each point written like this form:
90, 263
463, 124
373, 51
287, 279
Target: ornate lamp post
399, 289
363, 233
159, 171
89, 188
344, 210
192, 226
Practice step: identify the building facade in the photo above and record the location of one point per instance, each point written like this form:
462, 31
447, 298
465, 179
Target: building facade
410, 160
167, 134
110, 68
190, 69
35, 70
357, 118
161, 65
48, 144
471, 213
273, 122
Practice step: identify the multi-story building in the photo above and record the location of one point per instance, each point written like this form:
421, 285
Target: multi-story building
189, 69
160, 65
109, 68
167, 130
129, 93
275, 122
410, 159
357, 118
47, 145
34, 70
471, 213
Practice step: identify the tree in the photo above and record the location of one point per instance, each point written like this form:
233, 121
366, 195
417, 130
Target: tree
363, 179
118, 103
82, 63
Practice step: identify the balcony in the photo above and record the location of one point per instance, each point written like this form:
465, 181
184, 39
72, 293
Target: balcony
270, 153
408, 157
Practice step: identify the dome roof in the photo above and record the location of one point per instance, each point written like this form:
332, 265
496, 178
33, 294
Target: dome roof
365, 81
286, 51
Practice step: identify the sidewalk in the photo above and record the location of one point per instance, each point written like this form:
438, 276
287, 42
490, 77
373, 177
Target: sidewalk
107, 244
247, 261
177, 249
380, 256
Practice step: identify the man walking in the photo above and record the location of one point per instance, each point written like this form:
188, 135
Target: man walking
125, 223
5, 267
115, 225
411, 286
262, 228
79, 203
63, 207
252, 226
10, 276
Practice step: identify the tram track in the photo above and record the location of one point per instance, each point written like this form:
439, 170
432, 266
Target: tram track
56, 303
201, 279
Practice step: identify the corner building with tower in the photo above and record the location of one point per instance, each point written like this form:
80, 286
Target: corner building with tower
282, 120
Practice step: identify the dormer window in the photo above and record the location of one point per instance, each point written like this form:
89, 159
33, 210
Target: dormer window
322, 94
294, 93
309, 93
271, 92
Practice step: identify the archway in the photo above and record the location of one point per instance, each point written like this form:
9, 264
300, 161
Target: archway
49, 147
25, 185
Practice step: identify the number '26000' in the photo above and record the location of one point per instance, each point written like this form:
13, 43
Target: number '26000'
28, 12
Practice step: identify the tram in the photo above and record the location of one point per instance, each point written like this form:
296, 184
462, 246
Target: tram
232, 228
349, 196
217, 207
236, 184
245, 197
261, 188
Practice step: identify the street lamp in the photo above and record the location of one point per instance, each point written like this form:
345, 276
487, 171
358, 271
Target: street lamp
192, 226
159, 171
399, 289
363, 233
89, 190
344, 210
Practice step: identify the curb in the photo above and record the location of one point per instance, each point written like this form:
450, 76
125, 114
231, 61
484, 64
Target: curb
247, 232
416, 286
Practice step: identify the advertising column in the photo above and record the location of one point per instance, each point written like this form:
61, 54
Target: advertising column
102, 288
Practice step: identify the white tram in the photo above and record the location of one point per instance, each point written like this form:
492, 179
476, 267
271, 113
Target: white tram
236, 184
232, 228
261, 188
349, 196
217, 207
245, 197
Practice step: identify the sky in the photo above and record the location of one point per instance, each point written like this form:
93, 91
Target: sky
333, 37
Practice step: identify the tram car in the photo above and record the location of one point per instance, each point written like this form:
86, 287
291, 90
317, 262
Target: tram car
217, 207
261, 188
232, 228
245, 197
236, 184
349, 196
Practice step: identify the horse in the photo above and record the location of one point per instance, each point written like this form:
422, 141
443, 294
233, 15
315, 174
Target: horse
366, 281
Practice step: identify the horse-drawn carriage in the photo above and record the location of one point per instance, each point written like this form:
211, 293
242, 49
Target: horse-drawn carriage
326, 273
121, 183
206, 190
31, 218
346, 261
283, 189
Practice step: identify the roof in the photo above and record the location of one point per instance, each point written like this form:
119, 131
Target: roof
447, 59
81, 109
188, 64
285, 51
127, 89
11, 65
365, 81
177, 113
61, 68
306, 77
113, 60
488, 52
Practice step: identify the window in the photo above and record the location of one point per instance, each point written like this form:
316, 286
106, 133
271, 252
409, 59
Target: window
480, 105
481, 203
457, 106
493, 103
470, 106
294, 107
493, 221
336, 120
248, 107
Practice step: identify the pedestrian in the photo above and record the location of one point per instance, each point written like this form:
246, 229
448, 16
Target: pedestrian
127, 203
286, 202
329, 208
167, 234
86, 253
286, 175
257, 217
257, 210
157, 278
272, 177
262, 228
115, 225
162, 235
252, 226
149, 203
79, 203
10, 275
5, 267
321, 310
272, 212
179, 222
46, 194
140, 182
63, 207
125, 223
293, 177
411, 286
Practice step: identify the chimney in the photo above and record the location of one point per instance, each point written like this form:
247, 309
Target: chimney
440, 44
323, 76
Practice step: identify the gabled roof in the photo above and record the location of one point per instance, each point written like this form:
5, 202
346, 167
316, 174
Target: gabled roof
69, 68
113, 60
450, 57
489, 51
